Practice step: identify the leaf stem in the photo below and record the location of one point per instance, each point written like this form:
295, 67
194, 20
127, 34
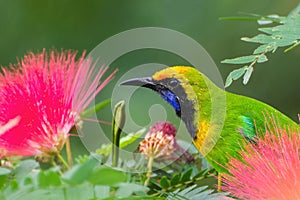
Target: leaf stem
69, 152
149, 170
293, 46
65, 164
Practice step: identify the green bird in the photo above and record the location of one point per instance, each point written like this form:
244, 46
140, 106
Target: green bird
219, 122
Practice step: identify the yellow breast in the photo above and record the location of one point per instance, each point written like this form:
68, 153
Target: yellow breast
203, 128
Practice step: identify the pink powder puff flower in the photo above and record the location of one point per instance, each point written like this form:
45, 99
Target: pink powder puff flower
270, 168
160, 143
44, 95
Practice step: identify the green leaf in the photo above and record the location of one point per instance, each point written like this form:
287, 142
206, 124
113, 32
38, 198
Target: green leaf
80, 192
4, 171
267, 30
287, 33
40, 194
285, 42
175, 179
290, 25
200, 174
128, 189
265, 48
195, 193
268, 20
124, 141
81, 172
228, 81
102, 191
261, 38
24, 168
247, 75
262, 58
240, 60
107, 176
131, 137
164, 182
90, 111
48, 178
186, 176
234, 75
14, 184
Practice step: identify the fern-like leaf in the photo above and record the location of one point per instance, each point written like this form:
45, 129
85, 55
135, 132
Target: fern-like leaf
285, 33
195, 193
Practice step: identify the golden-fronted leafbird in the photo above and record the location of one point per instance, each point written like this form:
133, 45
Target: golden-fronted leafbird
218, 121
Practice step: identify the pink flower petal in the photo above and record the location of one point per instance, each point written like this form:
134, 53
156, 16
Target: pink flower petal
269, 170
47, 92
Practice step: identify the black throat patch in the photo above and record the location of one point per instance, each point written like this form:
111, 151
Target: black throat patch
172, 91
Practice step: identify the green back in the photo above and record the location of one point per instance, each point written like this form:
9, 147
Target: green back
246, 119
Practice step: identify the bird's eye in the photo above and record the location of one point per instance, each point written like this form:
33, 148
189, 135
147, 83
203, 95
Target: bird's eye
173, 83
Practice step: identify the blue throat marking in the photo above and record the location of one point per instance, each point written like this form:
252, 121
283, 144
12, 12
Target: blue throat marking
171, 98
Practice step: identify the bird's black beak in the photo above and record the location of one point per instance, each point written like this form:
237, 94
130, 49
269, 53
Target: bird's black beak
142, 82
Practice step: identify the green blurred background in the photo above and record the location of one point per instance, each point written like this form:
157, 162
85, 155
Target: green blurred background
32, 25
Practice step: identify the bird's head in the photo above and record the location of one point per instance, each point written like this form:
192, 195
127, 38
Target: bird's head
182, 87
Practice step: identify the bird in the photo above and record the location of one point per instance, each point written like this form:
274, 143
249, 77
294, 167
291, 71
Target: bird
219, 122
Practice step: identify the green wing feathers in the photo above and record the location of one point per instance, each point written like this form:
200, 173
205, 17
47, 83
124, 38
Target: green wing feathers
246, 120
